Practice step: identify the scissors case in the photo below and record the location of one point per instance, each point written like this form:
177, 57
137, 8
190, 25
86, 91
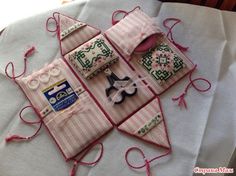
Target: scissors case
139, 115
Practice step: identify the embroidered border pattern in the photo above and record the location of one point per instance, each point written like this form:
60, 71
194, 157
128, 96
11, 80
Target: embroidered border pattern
149, 125
93, 57
71, 29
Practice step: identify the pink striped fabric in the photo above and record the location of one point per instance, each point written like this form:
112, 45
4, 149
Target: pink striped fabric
123, 36
156, 135
127, 34
157, 87
99, 83
77, 37
83, 127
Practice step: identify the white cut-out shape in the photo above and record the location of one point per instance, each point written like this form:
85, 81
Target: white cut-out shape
121, 84
55, 71
44, 77
107, 71
56, 89
127, 85
130, 89
33, 84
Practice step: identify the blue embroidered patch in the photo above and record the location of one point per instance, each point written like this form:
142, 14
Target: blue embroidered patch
60, 95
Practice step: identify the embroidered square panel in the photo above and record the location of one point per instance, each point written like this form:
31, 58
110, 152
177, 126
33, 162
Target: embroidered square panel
162, 63
93, 56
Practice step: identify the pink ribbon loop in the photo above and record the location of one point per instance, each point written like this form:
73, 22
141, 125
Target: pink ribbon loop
18, 138
79, 161
142, 154
27, 54
146, 161
26, 121
119, 11
53, 19
169, 33
181, 99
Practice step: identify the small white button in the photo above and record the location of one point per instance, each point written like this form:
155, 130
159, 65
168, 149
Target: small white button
55, 71
33, 84
44, 77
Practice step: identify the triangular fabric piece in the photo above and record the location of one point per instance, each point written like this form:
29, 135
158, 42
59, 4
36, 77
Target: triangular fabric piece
73, 33
148, 124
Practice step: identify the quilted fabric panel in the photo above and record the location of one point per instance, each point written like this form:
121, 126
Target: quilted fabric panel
75, 127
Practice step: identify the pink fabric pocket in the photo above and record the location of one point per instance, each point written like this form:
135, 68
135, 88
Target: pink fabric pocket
70, 114
132, 30
163, 64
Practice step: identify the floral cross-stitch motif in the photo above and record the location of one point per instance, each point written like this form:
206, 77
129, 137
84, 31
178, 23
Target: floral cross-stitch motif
162, 63
93, 56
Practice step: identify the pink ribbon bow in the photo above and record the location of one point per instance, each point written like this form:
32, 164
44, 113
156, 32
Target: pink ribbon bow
80, 106
128, 85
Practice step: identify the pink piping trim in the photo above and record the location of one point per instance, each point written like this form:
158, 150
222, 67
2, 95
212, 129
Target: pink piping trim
16, 137
139, 108
169, 149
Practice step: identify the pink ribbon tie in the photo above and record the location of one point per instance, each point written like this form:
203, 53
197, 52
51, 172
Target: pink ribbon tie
79, 161
170, 35
181, 98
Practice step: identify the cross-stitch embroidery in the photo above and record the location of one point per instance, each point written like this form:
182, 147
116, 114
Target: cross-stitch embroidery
93, 57
162, 63
149, 125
